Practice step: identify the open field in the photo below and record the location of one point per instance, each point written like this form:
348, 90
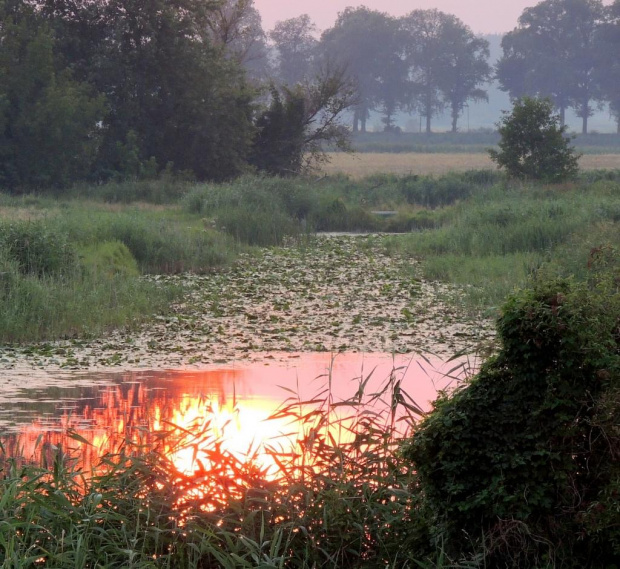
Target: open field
365, 164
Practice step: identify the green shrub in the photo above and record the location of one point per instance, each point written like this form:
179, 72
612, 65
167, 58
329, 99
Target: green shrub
109, 258
521, 465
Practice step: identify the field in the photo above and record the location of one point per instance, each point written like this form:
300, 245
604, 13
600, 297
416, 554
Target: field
360, 165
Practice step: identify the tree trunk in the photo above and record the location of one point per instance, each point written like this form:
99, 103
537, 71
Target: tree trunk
356, 121
455, 118
584, 119
562, 115
428, 123
363, 122
618, 124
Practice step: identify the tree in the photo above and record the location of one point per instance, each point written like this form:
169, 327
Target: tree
426, 57
184, 100
299, 121
369, 44
608, 64
533, 145
466, 68
553, 53
295, 42
49, 123
236, 25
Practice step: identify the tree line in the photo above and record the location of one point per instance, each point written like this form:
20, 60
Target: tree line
428, 61
112, 89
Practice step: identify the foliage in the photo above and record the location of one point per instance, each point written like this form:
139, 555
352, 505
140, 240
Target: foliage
300, 122
48, 121
446, 63
520, 463
296, 46
173, 96
555, 52
367, 42
533, 145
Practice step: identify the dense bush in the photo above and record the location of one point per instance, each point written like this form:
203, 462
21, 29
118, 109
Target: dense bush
521, 465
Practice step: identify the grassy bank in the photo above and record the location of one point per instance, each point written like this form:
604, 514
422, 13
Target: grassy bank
75, 268
493, 241
72, 265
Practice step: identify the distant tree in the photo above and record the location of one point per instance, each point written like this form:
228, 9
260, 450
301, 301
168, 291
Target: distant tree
237, 25
608, 64
295, 43
293, 131
426, 58
533, 144
466, 68
369, 44
49, 123
553, 53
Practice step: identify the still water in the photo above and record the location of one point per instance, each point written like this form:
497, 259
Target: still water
236, 407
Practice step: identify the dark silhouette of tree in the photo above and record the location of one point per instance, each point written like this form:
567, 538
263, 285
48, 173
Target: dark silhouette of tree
237, 25
295, 43
608, 63
369, 44
300, 121
182, 98
553, 53
466, 69
426, 59
49, 122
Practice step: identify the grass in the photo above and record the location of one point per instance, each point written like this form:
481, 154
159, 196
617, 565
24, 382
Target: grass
72, 268
491, 243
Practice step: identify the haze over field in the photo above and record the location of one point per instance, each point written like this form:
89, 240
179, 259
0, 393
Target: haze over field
482, 16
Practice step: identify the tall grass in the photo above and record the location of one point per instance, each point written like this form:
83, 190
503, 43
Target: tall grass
72, 269
493, 241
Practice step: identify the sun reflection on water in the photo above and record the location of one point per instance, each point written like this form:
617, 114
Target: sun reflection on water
226, 424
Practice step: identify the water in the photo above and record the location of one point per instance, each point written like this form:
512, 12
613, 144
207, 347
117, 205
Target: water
234, 406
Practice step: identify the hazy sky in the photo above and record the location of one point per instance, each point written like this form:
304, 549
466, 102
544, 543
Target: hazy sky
482, 16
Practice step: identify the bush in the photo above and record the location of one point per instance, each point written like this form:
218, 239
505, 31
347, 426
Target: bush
526, 455
533, 145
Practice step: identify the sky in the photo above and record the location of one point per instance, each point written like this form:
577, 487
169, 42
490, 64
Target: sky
482, 16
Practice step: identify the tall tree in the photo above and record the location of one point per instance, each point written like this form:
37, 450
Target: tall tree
466, 68
179, 96
49, 123
427, 59
608, 64
237, 26
295, 42
553, 53
368, 43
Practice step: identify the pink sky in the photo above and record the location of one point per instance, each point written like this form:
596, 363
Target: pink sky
482, 16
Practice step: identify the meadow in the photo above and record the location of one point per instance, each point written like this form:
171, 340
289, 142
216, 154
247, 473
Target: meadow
363, 164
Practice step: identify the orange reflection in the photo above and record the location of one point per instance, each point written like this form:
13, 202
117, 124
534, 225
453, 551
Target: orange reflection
226, 421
